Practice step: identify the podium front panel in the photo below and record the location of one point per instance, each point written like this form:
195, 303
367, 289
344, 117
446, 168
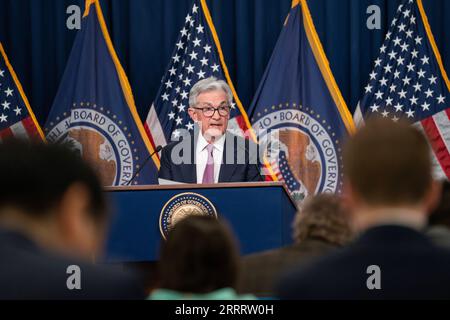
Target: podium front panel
261, 218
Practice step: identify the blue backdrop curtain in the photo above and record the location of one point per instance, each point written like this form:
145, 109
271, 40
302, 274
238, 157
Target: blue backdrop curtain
144, 32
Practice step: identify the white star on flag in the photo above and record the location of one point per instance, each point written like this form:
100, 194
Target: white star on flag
419, 89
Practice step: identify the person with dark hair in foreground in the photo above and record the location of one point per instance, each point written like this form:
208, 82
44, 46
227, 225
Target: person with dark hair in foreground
198, 261
439, 221
52, 222
389, 187
320, 226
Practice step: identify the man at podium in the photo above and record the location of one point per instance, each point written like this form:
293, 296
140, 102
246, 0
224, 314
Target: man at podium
211, 154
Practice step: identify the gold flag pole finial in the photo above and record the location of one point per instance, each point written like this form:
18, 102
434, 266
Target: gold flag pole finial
88, 6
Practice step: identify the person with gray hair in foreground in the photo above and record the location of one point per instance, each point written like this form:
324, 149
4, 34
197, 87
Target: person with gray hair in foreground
208, 153
320, 226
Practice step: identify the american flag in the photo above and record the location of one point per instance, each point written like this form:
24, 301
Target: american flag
16, 117
197, 55
409, 82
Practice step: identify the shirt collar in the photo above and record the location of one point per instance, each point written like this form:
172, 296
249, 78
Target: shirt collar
413, 219
202, 143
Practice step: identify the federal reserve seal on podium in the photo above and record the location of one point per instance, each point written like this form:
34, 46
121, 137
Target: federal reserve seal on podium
182, 206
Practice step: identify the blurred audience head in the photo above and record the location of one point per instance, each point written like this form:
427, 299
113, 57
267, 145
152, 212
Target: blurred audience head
388, 165
440, 216
322, 217
199, 256
50, 194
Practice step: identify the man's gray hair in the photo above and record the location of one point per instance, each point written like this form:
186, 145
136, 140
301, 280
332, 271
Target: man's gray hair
209, 84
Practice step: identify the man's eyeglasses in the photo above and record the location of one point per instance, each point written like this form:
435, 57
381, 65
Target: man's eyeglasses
209, 112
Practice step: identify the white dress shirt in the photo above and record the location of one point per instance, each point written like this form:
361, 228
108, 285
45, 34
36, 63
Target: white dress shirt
201, 154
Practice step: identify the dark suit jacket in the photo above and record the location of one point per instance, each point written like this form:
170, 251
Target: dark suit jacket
411, 268
28, 272
186, 172
259, 272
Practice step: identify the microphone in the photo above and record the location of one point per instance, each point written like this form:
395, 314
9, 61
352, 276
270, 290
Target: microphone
157, 150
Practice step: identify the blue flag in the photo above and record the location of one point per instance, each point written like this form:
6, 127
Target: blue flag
94, 109
409, 82
299, 113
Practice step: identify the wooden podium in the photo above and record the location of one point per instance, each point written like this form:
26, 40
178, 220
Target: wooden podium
261, 215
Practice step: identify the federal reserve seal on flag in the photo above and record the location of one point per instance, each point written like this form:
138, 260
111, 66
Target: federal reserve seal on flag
302, 148
182, 206
94, 109
298, 111
101, 138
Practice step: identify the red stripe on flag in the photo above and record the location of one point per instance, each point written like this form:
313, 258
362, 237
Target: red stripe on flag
268, 178
6, 133
447, 111
150, 137
30, 127
437, 144
241, 123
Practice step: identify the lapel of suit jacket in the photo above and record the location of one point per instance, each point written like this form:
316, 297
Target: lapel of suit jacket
188, 169
192, 167
227, 169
